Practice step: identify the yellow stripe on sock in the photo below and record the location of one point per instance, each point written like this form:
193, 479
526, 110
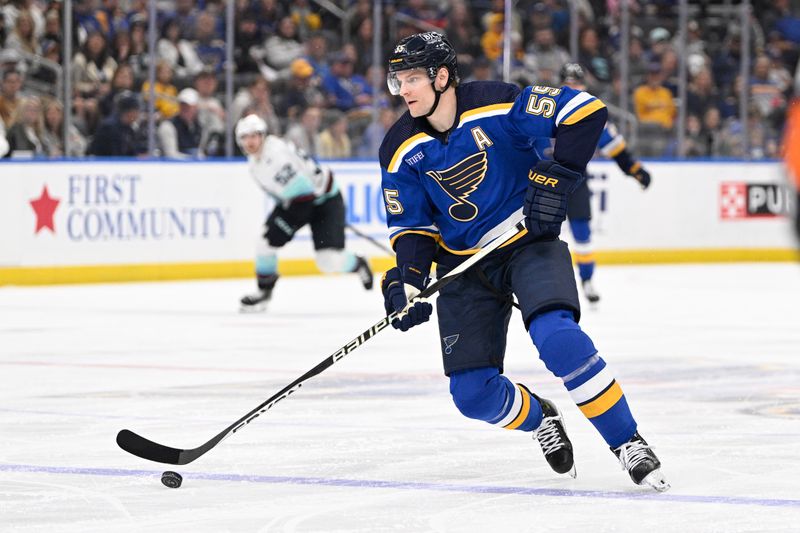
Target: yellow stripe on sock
523, 412
602, 403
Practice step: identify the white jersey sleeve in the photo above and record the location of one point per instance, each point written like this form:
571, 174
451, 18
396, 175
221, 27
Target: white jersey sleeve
287, 173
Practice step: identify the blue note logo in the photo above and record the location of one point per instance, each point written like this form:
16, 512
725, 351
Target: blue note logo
461, 180
449, 341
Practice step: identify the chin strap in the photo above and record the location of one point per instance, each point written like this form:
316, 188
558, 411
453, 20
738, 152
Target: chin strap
435, 102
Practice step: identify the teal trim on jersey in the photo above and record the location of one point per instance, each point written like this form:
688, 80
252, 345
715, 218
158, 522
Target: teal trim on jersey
299, 186
328, 195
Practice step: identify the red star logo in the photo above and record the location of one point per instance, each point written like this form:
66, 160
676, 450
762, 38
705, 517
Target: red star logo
44, 207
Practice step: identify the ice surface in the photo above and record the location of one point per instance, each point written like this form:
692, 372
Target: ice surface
709, 357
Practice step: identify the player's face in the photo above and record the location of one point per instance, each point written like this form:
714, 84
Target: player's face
251, 143
416, 89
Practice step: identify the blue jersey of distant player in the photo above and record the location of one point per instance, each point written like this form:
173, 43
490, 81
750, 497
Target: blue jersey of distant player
466, 186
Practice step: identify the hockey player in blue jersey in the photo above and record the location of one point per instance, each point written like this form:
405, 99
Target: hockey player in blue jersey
579, 211
456, 173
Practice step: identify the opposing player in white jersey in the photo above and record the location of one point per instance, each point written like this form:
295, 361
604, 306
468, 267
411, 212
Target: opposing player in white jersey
304, 193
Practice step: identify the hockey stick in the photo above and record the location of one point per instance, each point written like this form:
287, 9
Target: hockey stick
370, 239
153, 451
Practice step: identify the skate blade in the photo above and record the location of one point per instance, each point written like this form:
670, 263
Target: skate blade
657, 481
250, 309
574, 472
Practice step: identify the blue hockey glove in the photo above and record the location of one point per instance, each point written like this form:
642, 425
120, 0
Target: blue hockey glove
546, 200
398, 289
643, 177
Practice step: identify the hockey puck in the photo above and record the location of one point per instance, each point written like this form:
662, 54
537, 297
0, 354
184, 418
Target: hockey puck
171, 479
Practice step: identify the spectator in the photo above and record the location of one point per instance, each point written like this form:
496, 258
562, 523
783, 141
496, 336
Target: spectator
497, 7
256, 98
299, 91
701, 94
463, 34
210, 49
22, 37
248, 37
120, 82
111, 18
375, 132
305, 134
765, 94
138, 57
185, 15
117, 135
482, 70
305, 18
25, 134
694, 143
538, 17
726, 61
545, 58
422, 10
363, 42
44, 72
53, 133
210, 114
334, 142
12, 9
9, 96
52, 29
594, 60
283, 47
93, 67
178, 53
659, 44
653, 102
492, 38
270, 13
637, 63
179, 137
345, 90
317, 54
165, 92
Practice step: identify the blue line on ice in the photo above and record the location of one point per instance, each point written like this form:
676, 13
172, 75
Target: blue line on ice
411, 485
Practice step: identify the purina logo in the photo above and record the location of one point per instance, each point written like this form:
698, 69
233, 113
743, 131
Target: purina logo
449, 341
99, 207
739, 200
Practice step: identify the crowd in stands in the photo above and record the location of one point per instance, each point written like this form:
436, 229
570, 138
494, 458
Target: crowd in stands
308, 72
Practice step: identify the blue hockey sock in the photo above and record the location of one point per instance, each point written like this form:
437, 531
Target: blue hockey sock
485, 394
570, 354
600, 398
583, 251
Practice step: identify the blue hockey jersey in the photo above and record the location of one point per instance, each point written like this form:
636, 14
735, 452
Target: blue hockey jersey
611, 144
466, 186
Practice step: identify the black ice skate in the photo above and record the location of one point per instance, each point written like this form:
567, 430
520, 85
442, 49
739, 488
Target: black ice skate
364, 272
637, 457
258, 300
552, 437
589, 291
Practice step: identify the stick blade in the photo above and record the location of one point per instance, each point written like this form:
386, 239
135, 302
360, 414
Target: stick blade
147, 449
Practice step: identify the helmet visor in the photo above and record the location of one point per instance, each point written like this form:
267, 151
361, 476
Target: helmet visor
411, 79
